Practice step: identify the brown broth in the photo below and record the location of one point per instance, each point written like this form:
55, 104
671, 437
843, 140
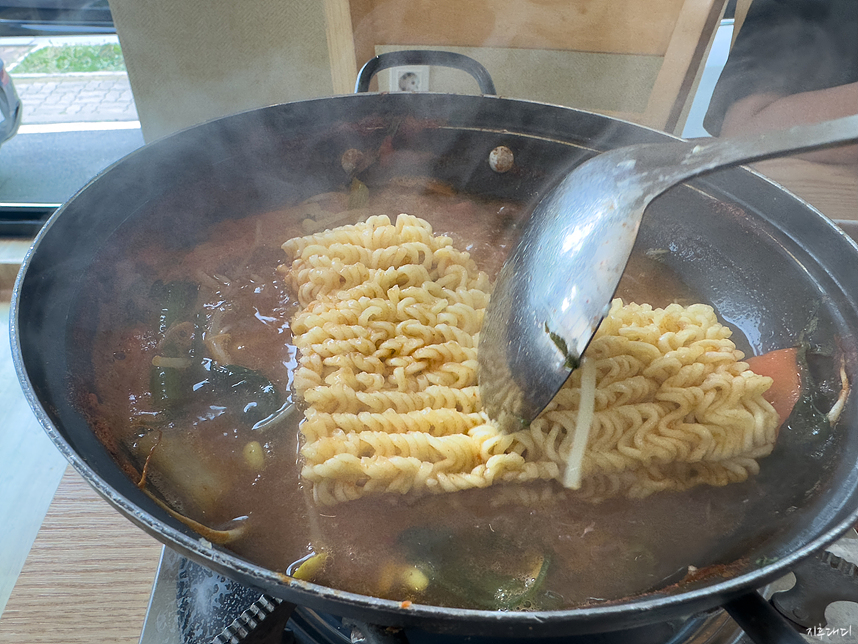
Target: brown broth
597, 552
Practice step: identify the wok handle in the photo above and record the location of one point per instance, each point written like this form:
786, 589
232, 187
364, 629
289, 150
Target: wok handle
424, 57
761, 622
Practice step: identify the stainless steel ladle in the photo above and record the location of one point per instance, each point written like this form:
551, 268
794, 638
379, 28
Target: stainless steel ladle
555, 288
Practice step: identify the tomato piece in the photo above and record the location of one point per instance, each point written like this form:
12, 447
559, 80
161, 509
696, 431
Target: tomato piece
782, 367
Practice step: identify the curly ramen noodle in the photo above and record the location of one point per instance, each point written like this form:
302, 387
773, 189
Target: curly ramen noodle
388, 373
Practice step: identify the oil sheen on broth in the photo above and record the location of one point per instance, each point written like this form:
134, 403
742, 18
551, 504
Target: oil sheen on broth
483, 548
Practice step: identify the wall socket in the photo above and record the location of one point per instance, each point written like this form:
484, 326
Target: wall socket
414, 78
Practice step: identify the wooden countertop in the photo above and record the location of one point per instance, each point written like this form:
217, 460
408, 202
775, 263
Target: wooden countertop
89, 573
88, 576
831, 189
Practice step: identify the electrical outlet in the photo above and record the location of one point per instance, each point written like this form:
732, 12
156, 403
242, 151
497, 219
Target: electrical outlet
414, 78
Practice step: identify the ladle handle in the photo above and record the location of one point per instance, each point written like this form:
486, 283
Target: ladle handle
672, 164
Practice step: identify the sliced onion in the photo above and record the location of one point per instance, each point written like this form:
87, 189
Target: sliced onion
216, 345
586, 407
171, 363
219, 537
834, 414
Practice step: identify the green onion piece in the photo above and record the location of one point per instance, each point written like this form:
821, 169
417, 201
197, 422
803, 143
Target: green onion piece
175, 300
167, 386
167, 382
358, 195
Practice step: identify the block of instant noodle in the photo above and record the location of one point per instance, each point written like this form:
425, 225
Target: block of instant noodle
387, 370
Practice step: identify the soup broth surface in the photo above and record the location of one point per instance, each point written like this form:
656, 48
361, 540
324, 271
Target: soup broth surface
514, 546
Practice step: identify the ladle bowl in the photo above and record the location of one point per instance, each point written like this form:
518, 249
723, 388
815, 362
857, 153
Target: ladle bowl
556, 286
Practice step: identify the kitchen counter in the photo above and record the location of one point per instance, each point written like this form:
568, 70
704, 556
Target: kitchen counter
88, 576
83, 572
89, 573
832, 189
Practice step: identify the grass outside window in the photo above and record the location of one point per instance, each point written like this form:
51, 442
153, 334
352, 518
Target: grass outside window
70, 59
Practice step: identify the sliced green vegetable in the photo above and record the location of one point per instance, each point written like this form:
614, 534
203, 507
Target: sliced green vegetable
247, 391
479, 568
175, 301
572, 361
198, 346
358, 195
168, 383
167, 386
806, 412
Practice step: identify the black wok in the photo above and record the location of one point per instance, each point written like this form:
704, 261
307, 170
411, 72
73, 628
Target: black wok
772, 266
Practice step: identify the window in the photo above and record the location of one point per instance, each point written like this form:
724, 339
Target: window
68, 89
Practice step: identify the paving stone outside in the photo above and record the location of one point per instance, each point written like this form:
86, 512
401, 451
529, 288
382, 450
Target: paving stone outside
11, 54
65, 98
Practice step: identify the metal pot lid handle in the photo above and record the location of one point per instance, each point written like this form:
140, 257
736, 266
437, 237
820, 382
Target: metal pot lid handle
761, 622
819, 581
424, 57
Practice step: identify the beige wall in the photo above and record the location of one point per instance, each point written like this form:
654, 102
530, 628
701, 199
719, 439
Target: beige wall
190, 61
582, 80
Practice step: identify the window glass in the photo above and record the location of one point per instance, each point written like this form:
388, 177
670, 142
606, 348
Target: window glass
66, 107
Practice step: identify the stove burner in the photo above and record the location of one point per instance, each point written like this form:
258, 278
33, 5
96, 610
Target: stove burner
193, 605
